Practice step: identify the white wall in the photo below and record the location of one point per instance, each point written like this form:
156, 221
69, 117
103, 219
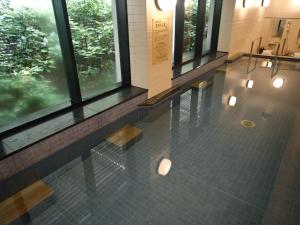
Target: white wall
290, 34
138, 42
283, 9
226, 25
239, 27
155, 78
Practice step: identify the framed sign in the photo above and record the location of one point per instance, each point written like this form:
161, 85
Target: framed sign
160, 40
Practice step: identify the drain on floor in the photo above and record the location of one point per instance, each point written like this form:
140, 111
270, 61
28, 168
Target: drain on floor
247, 123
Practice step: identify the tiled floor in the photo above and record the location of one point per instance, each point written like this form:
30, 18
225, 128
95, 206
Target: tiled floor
222, 173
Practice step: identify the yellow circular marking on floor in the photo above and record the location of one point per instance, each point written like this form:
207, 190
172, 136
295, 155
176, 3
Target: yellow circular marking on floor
247, 123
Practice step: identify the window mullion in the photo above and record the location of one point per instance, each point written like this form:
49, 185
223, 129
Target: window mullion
216, 25
200, 27
179, 32
64, 33
121, 7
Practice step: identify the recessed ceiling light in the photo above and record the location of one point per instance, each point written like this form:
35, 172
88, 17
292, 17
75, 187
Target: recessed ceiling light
164, 167
278, 82
250, 83
232, 101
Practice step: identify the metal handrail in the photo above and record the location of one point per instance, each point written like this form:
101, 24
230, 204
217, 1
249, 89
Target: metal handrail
251, 54
275, 69
283, 46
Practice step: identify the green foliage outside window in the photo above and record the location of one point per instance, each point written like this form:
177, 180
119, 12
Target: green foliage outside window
24, 60
31, 65
190, 24
92, 32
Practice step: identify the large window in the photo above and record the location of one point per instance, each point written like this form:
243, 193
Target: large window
190, 24
93, 27
196, 29
207, 33
56, 53
32, 75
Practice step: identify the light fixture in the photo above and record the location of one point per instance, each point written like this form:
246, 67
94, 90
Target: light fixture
165, 5
164, 167
278, 82
297, 2
250, 83
232, 101
265, 3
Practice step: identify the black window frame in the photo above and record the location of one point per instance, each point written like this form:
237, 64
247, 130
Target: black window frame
179, 31
66, 44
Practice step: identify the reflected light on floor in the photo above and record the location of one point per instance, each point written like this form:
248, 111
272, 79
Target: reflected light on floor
267, 64
278, 82
164, 167
250, 83
232, 101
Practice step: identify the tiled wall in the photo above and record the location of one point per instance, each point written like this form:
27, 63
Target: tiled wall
290, 35
138, 42
240, 26
43, 149
160, 75
156, 78
283, 9
228, 8
246, 26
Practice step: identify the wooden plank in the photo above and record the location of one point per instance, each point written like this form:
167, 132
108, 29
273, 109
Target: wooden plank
160, 97
124, 135
21, 202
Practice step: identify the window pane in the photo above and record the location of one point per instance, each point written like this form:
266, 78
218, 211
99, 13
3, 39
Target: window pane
209, 14
32, 77
94, 35
190, 23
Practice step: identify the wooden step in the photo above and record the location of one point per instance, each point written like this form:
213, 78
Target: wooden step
160, 97
125, 135
21, 202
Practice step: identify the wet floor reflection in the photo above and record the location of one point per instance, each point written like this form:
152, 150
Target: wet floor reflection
195, 163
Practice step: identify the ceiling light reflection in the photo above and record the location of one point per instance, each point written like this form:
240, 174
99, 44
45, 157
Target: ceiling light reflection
278, 82
267, 64
164, 167
250, 83
232, 101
